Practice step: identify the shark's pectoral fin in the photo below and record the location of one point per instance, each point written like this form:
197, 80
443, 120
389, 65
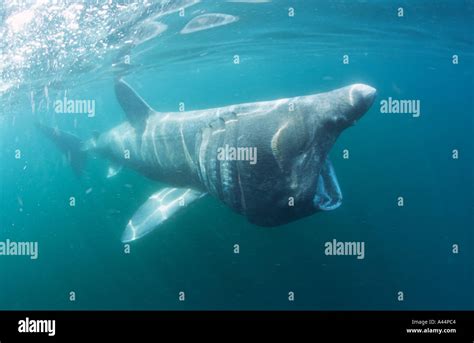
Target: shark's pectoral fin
328, 193
113, 170
135, 108
159, 207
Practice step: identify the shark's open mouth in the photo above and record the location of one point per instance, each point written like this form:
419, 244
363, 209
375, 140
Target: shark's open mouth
328, 193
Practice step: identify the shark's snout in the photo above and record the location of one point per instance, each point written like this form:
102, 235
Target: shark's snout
362, 94
366, 92
361, 97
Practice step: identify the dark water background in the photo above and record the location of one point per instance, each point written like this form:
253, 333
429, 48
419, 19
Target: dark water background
407, 248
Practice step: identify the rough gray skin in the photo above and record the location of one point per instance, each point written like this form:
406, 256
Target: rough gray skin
180, 149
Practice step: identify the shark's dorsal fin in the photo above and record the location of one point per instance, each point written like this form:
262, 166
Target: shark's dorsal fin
135, 108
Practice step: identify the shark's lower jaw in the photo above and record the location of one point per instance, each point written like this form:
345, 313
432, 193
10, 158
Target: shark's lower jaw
328, 193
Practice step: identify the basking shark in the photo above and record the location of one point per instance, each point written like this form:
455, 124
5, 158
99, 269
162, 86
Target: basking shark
290, 176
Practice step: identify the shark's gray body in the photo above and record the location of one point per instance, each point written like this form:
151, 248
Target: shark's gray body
292, 176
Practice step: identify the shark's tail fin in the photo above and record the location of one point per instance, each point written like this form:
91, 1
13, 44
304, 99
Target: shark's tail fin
69, 144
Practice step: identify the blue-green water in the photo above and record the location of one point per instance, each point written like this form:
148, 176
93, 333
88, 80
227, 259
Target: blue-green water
408, 249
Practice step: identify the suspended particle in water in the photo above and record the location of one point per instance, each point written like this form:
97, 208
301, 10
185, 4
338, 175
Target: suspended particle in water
32, 101
46, 95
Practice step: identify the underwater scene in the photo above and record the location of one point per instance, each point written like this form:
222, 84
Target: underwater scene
237, 155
